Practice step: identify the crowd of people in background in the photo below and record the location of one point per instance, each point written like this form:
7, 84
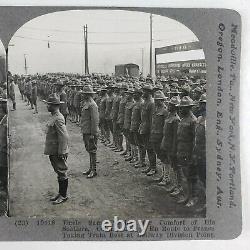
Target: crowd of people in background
153, 124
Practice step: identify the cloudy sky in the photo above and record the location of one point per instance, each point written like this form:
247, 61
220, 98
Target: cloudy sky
114, 37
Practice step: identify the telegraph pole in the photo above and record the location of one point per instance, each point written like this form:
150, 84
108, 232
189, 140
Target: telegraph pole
86, 59
142, 60
151, 40
25, 64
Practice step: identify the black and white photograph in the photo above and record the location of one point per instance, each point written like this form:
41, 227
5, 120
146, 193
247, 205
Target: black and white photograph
119, 123
107, 116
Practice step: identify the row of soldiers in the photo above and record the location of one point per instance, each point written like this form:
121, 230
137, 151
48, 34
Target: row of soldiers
165, 120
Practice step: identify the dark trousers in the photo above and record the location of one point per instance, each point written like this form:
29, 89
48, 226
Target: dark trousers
60, 167
147, 145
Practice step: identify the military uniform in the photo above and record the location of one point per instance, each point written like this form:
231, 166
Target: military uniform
64, 106
120, 121
89, 129
102, 110
144, 130
34, 96
126, 128
109, 124
114, 116
56, 145
134, 132
12, 94
185, 145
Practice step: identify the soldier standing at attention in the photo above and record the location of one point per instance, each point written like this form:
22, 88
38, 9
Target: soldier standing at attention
169, 145
199, 159
185, 145
12, 93
34, 95
145, 128
63, 98
56, 146
109, 124
103, 102
158, 118
120, 119
114, 115
127, 122
134, 128
89, 128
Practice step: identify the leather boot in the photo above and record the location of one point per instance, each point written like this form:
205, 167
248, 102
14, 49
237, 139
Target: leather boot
93, 166
90, 166
63, 186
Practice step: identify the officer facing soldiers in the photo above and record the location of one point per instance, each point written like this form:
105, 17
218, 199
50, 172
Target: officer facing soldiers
145, 128
56, 146
185, 145
89, 128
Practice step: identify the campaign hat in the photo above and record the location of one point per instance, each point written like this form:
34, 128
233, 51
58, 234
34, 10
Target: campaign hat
53, 99
186, 101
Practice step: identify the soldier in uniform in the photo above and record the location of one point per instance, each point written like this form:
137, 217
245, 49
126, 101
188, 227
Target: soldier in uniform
145, 128
34, 95
199, 159
56, 146
12, 93
114, 116
169, 145
89, 128
127, 122
158, 118
63, 98
120, 118
185, 145
134, 128
108, 122
103, 102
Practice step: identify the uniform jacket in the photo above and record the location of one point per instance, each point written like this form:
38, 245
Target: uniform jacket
109, 103
57, 137
159, 115
115, 107
34, 93
12, 91
169, 140
186, 135
146, 116
128, 114
200, 138
136, 116
89, 118
121, 111
103, 103
63, 106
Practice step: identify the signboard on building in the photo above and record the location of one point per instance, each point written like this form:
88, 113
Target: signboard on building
180, 59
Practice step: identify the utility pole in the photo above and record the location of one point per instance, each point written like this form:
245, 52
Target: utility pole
151, 40
25, 64
142, 60
86, 59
